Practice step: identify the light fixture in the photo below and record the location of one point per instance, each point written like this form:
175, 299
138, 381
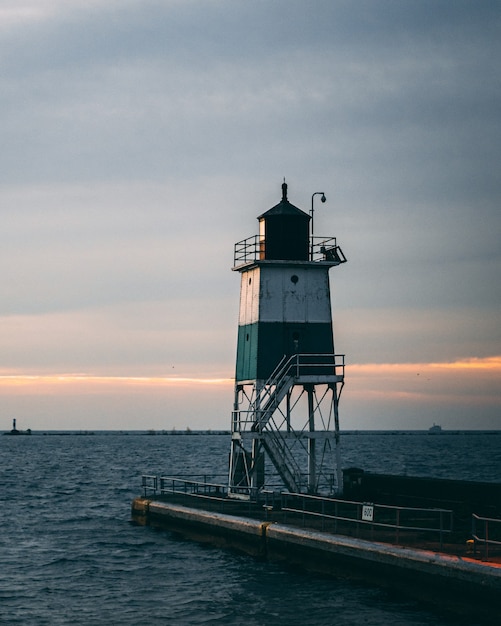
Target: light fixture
322, 199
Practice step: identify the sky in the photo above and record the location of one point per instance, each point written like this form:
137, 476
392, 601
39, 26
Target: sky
141, 139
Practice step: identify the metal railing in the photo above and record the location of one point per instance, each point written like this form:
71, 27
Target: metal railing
192, 483
345, 517
335, 514
149, 484
203, 494
174, 485
306, 364
486, 531
252, 249
246, 251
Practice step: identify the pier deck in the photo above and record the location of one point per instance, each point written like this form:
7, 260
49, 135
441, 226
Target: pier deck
450, 575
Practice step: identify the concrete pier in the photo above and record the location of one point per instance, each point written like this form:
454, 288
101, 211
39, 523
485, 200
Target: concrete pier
458, 584
226, 531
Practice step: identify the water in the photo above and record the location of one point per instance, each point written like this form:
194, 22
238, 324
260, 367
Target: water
70, 556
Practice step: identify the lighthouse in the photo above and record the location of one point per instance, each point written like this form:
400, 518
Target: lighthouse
288, 378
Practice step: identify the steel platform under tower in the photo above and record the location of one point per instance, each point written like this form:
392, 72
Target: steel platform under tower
288, 378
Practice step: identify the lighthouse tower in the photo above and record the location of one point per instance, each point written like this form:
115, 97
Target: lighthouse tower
288, 378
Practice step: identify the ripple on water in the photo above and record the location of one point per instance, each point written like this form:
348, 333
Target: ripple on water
70, 555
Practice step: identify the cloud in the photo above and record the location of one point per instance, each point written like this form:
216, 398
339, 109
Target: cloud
133, 90
141, 140
414, 333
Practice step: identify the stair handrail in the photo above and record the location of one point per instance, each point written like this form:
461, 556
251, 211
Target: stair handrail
285, 365
272, 379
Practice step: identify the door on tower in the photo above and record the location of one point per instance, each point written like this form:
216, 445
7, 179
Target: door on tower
294, 340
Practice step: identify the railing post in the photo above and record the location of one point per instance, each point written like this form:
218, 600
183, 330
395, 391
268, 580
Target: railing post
474, 533
486, 539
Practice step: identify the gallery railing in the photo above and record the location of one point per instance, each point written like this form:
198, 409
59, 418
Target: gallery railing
252, 249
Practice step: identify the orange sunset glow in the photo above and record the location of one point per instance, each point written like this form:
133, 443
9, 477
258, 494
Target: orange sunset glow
374, 389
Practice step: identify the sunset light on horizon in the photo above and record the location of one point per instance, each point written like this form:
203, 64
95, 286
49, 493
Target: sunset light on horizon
383, 387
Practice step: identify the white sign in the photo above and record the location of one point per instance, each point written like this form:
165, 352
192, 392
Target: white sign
367, 512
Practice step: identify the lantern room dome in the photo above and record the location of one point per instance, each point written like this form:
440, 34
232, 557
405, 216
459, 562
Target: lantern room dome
284, 231
284, 207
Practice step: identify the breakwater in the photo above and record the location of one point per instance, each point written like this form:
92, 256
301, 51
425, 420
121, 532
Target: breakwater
458, 583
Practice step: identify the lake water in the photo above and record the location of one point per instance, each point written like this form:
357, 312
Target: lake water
70, 556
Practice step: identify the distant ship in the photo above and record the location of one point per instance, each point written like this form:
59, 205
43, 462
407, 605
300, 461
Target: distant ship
436, 429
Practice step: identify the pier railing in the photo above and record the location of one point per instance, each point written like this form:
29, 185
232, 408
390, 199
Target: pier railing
149, 485
486, 532
198, 493
195, 484
337, 515
182, 486
393, 524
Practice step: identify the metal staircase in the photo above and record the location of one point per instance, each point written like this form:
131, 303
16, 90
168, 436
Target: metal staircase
284, 446
283, 460
289, 372
263, 407
274, 390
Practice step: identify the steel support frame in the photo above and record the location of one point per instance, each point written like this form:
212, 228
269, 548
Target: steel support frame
308, 433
